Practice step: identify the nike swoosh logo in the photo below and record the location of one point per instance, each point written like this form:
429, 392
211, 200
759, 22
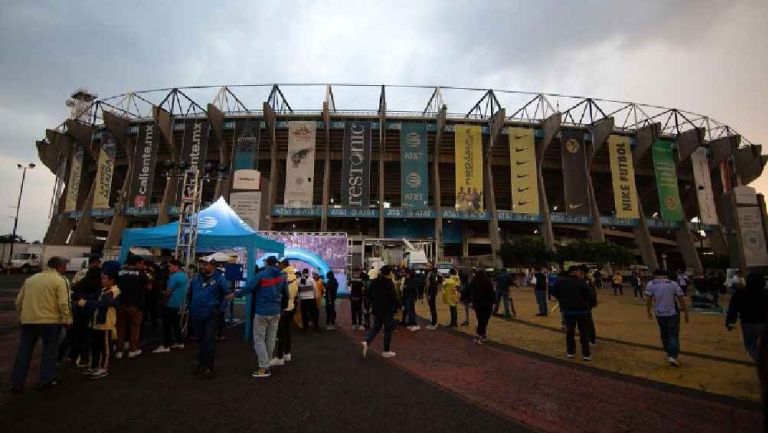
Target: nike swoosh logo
520, 176
523, 189
575, 206
517, 149
521, 136
521, 203
521, 162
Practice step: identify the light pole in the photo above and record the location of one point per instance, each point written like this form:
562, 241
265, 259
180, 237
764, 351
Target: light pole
23, 169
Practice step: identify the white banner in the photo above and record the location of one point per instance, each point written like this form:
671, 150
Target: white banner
745, 194
300, 164
104, 171
752, 236
247, 205
246, 179
75, 174
703, 180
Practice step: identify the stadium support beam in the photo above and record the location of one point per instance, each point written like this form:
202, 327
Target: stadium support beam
748, 163
600, 132
382, 150
271, 119
83, 135
60, 224
645, 137
164, 122
441, 121
216, 122
550, 125
687, 142
83, 234
118, 126
326, 163
496, 123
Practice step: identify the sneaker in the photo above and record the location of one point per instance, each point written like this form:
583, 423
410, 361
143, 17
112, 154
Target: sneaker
99, 373
414, 328
287, 357
354, 327
82, 364
89, 371
569, 356
134, 353
365, 349
478, 340
178, 346
160, 349
119, 355
673, 362
208, 373
586, 358
465, 324
389, 354
431, 327
261, 373
276, 362
48, 385
330, 328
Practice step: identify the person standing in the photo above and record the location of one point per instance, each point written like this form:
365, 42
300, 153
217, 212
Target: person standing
356, 300
308, 302
590, 321
288, 306
618, 282
540, 290
503, 281
103, 327
662, 294
750, 305
366, 300
682, 281
465, 297
43, 308
269, 289
574, 297
175, 293
209, 290
385, 304
483, 298
329, 295
411, 286
77, 339
637, 285
134, 284
451, 296
433, 282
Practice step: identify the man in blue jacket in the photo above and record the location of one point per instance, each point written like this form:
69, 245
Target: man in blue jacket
268, 288
209, 291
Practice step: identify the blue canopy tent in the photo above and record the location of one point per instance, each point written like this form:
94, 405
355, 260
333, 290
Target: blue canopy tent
219, 228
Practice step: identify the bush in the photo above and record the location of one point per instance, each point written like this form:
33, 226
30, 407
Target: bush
525, 252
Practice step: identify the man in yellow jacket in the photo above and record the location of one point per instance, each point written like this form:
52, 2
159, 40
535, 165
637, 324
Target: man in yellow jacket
43, 307
451, 295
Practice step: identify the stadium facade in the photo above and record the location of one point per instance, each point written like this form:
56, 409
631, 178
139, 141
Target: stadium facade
672, 185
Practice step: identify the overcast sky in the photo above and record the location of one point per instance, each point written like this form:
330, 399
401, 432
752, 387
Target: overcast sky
706, 56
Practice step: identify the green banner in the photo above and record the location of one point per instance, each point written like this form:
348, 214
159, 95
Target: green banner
666, 181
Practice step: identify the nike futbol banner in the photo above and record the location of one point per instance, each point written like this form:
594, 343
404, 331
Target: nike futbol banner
195, 144
300, 164
246, 145
666, 181
623, 176
703, 180
574, 159
144, 159
104, 171
356, 168
75, 175
468, 149
413, 166
522, 162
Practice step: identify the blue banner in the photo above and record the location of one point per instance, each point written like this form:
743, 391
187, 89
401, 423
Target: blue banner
413, 166
246, 145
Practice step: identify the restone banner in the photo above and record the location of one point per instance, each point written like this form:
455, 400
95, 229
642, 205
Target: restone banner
468, 155
75, 174
246, 145
356, 168
703, 180
105, 171
752, 236
300, 164
574, 159
666, 181
195, 143
623, 176
414, 193
144, 160
522, 163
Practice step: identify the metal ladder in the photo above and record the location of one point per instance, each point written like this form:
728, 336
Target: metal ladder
186, 237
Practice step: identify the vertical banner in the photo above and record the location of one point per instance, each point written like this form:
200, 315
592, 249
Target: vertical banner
75, 174
247, 205
666, 181
522, 162
575, 182
703, 180
468, 147
246, 144
300, 164
356, 168
105, 170
752, 236
413, 166
623, 176
144, 160
195, 143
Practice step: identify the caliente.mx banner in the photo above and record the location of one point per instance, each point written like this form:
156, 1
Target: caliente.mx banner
623, 176
356, 167
300, 164
666, 181
414, 193
468, 147
105, 170
522, 163
144, 160
195, 143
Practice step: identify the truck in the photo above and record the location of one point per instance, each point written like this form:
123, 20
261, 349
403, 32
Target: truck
36, 256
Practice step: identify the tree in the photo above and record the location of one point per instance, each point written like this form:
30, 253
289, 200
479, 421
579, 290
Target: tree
525, 251
595, 252
6, 239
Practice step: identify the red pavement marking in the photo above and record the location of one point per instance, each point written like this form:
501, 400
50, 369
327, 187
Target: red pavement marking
549, 396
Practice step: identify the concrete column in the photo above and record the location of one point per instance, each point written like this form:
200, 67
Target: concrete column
216, 122
496, 125
326, 166
270, 117
551, 126
645, 137
164, 123
61, 225
118, 126
441, 117
382, 150
687, 142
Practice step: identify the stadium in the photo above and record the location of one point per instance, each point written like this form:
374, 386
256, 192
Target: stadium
463, 169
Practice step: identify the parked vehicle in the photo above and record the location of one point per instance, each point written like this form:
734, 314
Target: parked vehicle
38, 255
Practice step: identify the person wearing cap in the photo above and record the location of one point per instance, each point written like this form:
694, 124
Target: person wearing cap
104, 323
268, 288
384, 304
209, 290
288, 305
664, 296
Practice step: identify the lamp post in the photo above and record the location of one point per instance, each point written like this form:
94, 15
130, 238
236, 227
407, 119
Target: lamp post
23, 169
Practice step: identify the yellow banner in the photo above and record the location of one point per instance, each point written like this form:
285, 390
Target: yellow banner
623, 174
522, 162
104, 173
469, 167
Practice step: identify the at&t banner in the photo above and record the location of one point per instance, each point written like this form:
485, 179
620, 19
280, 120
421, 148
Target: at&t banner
105, 170
246, 144
195, 144
469, 167
300, 164
666, 181
522, 162
574, 159
75, 174
356, 167
144, 159
413, 166
703, 180
623, 176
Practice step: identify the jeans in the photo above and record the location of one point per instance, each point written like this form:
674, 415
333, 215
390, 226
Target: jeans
454, 316
330, 313
466, 313
309, 313
618, 289
541, 299
432, 310
171, 327
638, 291
751, 334
75, 343
572, 320
483, 315
669, 328
388, 323
50, 335
357, 312
591, 327
205, 331
99, 349
284, 334
264, 333
128, 316
502, 296
409, 306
